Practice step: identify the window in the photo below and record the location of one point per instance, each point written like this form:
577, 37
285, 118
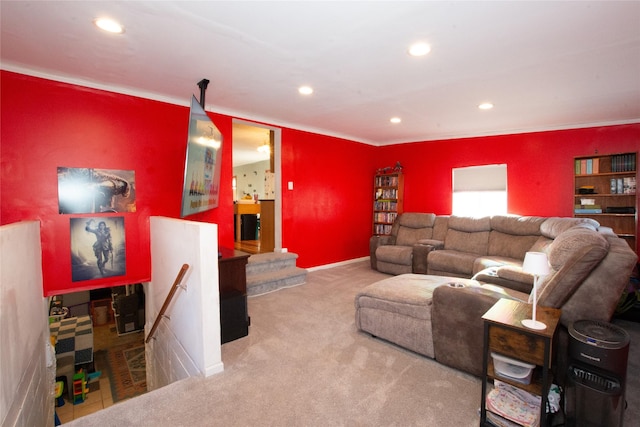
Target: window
480, 190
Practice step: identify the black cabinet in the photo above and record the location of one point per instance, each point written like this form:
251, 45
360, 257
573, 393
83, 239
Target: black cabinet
234, 316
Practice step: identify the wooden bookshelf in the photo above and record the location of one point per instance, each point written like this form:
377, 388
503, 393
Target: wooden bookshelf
610, 182
388, 197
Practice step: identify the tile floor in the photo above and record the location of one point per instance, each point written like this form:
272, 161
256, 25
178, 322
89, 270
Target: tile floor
98, 397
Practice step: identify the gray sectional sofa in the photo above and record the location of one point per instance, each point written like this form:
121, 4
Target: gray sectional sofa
590, 267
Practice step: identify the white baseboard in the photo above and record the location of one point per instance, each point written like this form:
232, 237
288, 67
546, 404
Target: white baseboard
337, 264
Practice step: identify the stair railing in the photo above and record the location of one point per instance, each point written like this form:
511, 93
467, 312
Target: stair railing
167, 301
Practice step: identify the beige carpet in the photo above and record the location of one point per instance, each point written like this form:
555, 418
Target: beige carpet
304, 364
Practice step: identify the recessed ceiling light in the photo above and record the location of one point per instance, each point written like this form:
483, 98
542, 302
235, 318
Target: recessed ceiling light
485, 106
109, 25
305, 90
395, 120
419, 49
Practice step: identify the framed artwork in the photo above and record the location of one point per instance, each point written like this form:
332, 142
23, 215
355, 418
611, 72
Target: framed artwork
97, 248
86, 190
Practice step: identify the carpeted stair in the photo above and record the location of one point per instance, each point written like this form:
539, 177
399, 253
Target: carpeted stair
271, 271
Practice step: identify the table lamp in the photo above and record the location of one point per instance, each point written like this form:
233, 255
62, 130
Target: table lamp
535, 263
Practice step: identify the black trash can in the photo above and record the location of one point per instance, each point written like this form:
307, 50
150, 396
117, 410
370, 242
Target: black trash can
249, 227
125, 308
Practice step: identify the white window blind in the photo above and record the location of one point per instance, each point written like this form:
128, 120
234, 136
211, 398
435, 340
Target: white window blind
480, 190
480, 178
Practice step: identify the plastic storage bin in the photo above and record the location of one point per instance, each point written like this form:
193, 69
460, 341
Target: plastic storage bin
513, 369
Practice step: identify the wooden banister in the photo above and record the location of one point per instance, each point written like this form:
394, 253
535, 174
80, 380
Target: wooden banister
167, 301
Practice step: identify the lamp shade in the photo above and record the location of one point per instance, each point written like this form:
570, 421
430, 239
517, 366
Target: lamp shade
536, 263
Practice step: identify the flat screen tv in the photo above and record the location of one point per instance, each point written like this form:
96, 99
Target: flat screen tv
202, 164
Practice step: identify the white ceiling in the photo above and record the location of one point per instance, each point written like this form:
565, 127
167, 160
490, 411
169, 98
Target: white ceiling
246, 140
545, 65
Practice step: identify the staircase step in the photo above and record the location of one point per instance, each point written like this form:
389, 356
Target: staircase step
269, 281
271, 261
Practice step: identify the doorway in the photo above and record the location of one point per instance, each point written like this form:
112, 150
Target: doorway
115, 368
257, 187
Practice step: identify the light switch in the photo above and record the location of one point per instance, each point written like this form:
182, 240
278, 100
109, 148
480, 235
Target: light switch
290, 185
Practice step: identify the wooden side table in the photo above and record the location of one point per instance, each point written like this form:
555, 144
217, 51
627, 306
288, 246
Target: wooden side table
505, 334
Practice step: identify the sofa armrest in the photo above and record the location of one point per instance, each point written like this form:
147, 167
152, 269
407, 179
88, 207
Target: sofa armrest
421, 252
506, 277
457, 326
436, 244
374, 243
419, 260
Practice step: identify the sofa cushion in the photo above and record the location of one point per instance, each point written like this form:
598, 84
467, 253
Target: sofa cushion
512, 236
469, 224
414, 226
410, 236
572, 256
466, 234
484, 262
509, 277
564, 247
542, 244
440, 227
417, 219
598, 295
554, 226
510, 245
452, 262
517, 225
470, 242
395, 254
394, 269
406, 294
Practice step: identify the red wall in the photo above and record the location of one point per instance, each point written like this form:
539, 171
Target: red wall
46, 124
326, 217
539, 166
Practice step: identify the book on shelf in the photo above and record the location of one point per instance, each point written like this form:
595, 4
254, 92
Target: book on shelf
623, 162
388, 193
587, 211
619, 163
382, 229
587, 166
385, 205
620, 210
629, 185
387, 217
586, 189
626, 185
386, 181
